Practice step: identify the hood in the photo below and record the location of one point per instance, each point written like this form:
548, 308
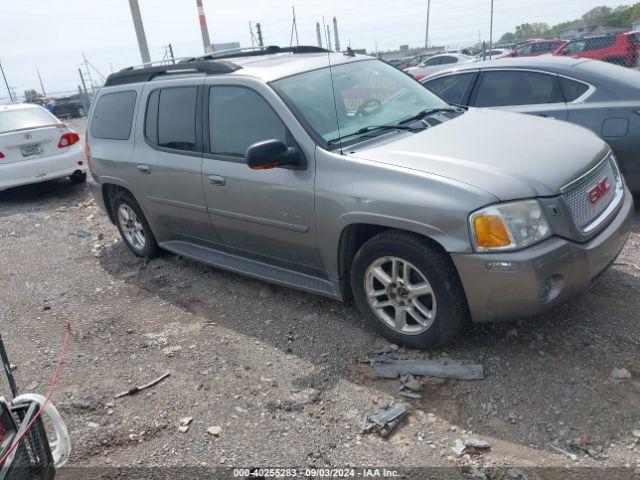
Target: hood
509, 155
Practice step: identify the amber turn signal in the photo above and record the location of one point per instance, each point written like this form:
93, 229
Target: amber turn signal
490, 232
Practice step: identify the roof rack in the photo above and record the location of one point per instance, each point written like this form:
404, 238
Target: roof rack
146, 73
255, 52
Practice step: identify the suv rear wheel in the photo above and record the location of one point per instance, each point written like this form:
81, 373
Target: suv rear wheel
408, 290
133, 226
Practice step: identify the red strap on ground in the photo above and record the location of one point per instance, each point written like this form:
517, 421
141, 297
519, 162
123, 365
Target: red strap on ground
54, 380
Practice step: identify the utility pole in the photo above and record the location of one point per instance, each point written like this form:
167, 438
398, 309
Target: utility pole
318, 34
426, 33
6, 83
44, 94
173, 59
259, 31
294, 28
336, 38
491, 32
253, 37
206, 41
137, 24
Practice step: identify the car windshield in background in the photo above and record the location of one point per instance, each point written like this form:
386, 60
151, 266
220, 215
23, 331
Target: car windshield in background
367, 94
23, 118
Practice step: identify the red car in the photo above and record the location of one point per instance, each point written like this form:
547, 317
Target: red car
621, 49
538, 47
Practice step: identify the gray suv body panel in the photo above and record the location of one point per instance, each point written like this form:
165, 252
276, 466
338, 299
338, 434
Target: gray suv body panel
286, 225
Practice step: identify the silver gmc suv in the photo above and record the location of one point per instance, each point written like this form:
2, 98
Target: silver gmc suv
340, 175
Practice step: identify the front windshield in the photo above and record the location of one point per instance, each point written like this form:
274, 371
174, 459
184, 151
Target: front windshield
367, 93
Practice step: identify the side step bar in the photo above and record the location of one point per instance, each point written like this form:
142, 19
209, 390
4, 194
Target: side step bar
253, 268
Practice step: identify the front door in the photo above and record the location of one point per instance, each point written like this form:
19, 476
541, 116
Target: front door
269, 213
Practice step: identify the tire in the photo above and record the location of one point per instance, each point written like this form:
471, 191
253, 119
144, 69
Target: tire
429, 268
133, 226
78, 177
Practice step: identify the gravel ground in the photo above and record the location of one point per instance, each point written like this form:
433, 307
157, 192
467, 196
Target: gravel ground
277, 370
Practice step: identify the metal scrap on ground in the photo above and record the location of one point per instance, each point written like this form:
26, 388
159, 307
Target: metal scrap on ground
428, 368
135, 390
385, 420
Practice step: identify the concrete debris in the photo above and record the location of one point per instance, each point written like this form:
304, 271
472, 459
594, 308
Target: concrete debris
183, 428
458, 447
216, 431
620, 374
386, 420
476, 444
186, 421
636, 433
429, 368
409, 382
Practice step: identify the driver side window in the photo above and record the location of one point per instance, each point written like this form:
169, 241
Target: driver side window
238, 118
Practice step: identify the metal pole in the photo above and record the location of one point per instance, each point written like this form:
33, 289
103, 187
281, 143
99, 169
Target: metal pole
491, 32
253, 42
6, 83
44, 94
426, 33
137, 24
7, 369
206, 41
259, 30
85, 103
173, 59
318, 34
336, 38
295, 23
86, 65
328, 37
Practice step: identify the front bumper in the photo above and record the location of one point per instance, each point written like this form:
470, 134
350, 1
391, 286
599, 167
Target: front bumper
544, 275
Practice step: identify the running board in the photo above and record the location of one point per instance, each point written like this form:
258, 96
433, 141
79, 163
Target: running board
252, 268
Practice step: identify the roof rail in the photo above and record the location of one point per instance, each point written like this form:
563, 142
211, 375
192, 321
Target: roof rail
255, 51
145, 73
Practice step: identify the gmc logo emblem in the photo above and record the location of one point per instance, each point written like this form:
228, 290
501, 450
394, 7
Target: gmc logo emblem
599, 191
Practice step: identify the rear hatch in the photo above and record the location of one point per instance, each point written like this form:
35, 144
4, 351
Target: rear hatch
29, 133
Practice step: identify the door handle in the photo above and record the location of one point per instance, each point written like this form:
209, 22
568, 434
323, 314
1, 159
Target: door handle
144, 169
217, 180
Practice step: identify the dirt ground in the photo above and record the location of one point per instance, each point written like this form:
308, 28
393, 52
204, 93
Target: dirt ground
278, 370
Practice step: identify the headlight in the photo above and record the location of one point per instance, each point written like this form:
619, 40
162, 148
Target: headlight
508, 226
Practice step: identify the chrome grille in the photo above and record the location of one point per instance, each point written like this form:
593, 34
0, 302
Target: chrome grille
576, 195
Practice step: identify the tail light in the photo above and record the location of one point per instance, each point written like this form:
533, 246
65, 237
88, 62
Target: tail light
68, 139
1, 155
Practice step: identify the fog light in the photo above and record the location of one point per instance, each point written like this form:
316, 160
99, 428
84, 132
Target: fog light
500, 266
545, 289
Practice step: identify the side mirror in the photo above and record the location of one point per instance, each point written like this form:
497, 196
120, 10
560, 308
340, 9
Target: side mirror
271, 154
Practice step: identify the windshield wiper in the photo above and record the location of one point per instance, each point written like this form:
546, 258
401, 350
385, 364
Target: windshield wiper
372, 128
430, 111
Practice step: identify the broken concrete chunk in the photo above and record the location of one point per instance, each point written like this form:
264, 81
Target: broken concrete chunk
183, 428
428, 368
458, 447
621, 374
186, 421
477, 444
216, 431
386, 420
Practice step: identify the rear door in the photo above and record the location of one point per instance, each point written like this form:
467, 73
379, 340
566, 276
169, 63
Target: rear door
522, 91
167, 161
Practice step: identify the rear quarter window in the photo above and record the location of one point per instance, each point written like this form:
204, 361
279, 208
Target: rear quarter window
113, 115
572, 90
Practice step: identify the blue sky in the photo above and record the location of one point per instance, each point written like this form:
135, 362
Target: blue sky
52, 35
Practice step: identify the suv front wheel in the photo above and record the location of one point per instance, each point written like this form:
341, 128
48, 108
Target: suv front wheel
133, 226
409, 290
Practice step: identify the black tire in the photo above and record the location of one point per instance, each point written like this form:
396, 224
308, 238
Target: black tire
451, 312
150, 249
78, 177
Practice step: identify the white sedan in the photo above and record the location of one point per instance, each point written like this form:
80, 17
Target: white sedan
35, 147
436, 63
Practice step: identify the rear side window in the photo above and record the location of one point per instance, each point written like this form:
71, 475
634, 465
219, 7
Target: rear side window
598, 43
572, 89
177, 118
113, 116
238, 118
451, 88
502, 88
